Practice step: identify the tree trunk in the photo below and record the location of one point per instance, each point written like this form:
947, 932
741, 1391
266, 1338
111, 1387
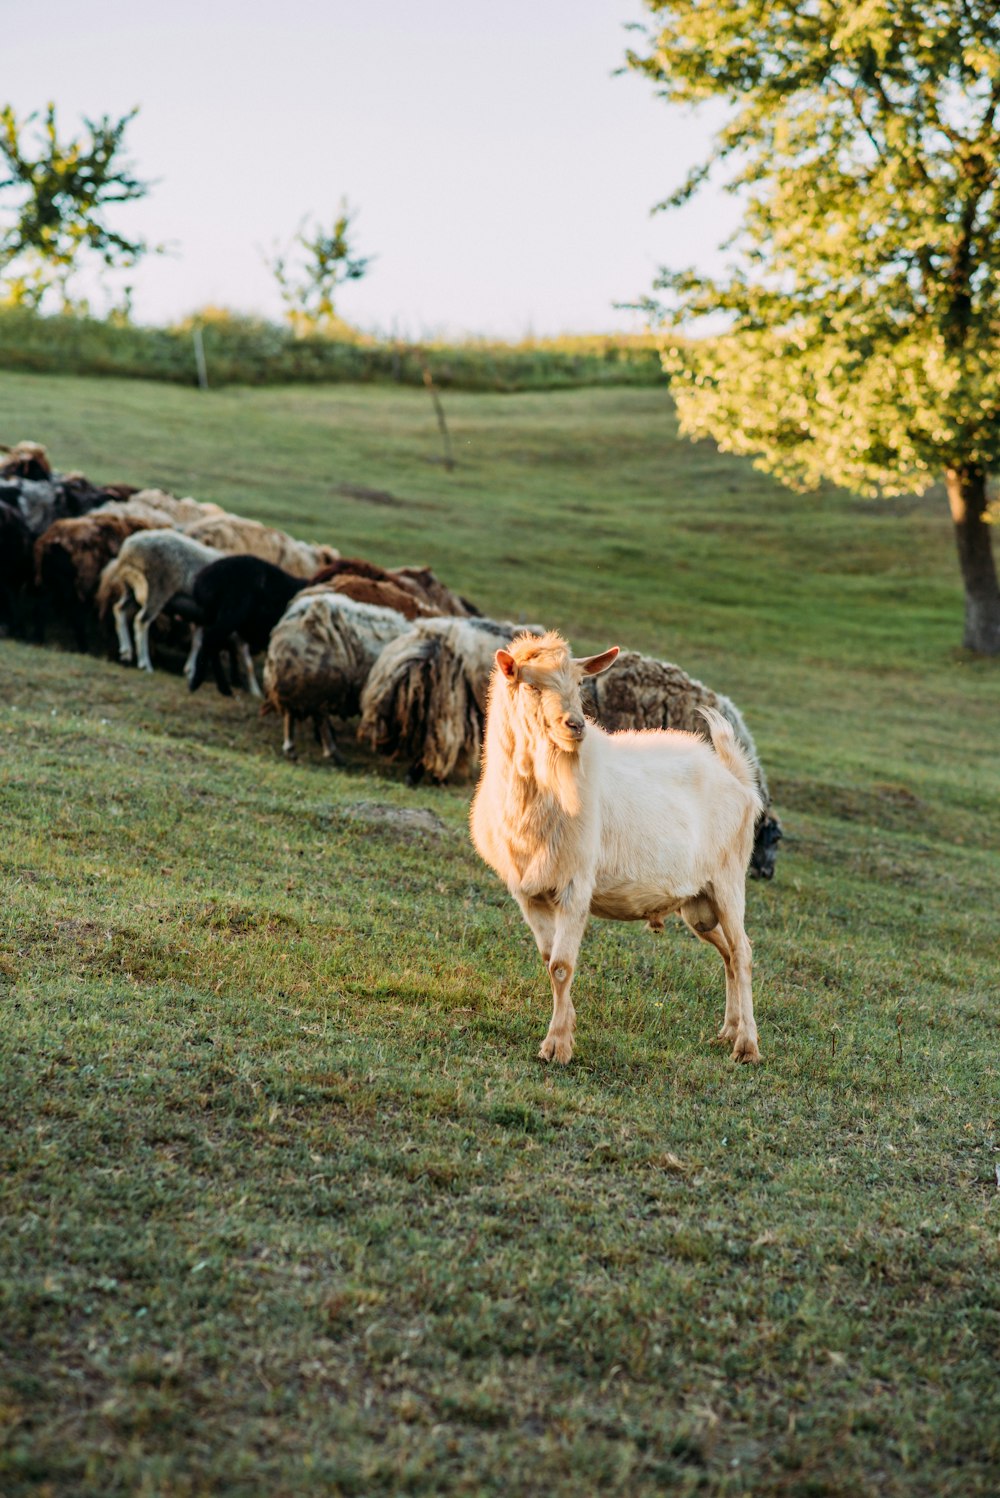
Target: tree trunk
967, 497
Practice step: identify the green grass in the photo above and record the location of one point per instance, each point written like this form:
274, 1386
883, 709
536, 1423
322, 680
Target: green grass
287, 1204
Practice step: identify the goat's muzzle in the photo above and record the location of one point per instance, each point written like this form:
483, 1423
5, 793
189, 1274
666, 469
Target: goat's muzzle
574, 727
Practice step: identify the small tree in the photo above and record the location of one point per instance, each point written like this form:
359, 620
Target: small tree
61, 195
864, 298
313, 267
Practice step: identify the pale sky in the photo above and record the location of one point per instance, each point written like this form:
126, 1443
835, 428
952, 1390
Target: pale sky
503, 177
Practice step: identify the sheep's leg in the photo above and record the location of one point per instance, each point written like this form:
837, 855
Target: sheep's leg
143, 621
120, 611
326, 737
197, 639
243, 651
569, 925
288, 747
731, 912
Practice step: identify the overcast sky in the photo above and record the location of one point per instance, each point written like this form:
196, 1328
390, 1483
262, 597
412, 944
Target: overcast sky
503, 176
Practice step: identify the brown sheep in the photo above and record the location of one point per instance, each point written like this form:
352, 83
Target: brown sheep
70, 557
420, 581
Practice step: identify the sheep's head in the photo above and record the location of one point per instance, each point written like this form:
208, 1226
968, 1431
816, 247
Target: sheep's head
765, 847
544, 682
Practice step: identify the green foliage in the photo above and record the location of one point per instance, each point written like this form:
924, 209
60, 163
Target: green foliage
62, 196
309, 272
865, 315
864, 300
249, 351
287, 1205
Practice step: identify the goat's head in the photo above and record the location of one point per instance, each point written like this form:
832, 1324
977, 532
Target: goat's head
544, 683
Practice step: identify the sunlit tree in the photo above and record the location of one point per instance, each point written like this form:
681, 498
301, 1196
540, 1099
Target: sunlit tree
55, 201
310, 271
863, 298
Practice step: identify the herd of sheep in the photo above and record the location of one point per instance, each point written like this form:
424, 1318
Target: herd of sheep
344, 638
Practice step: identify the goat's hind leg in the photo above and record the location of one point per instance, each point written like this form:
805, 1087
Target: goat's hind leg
702, 916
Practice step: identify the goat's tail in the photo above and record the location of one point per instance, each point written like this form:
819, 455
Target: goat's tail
731, 751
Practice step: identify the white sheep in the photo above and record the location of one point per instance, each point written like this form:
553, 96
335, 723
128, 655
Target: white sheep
627, 826
236, 535
153, 568
319, 657
426, 695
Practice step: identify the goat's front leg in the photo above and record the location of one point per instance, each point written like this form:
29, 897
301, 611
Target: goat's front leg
569, 925
541, 917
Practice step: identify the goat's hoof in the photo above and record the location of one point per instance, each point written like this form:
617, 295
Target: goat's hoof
746, 1050
552, 1049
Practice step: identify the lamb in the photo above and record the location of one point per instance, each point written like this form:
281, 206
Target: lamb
240, 596
426, 695
319, 657
627, 826
420, 581
235, 535
154, 568
643, 692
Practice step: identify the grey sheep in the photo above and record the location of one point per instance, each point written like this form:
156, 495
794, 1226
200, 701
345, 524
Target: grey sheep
318, 660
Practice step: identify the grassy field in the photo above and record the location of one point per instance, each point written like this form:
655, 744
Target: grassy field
287, 1204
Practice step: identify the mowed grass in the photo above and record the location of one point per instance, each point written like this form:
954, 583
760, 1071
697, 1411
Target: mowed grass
287, 1204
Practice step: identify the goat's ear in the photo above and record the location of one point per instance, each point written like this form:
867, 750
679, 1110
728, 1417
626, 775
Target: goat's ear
593, 665
507, 664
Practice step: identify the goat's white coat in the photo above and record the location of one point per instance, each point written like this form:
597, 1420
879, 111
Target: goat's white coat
628, 826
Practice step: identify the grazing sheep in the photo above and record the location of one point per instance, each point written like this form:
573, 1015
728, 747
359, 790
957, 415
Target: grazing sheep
319, 658
25, 460
235, 535
426, 695
627, 826
15, 566
181, 513
645, 693
70, 557
420, 581
241, 596
386, 595
155, 568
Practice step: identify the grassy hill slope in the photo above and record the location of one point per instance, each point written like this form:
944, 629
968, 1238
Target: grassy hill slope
287, 1203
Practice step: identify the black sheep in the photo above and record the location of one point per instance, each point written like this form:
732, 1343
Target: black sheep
15, 565
240, 596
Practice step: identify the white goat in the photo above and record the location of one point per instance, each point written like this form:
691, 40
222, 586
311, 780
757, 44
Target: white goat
628, 826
